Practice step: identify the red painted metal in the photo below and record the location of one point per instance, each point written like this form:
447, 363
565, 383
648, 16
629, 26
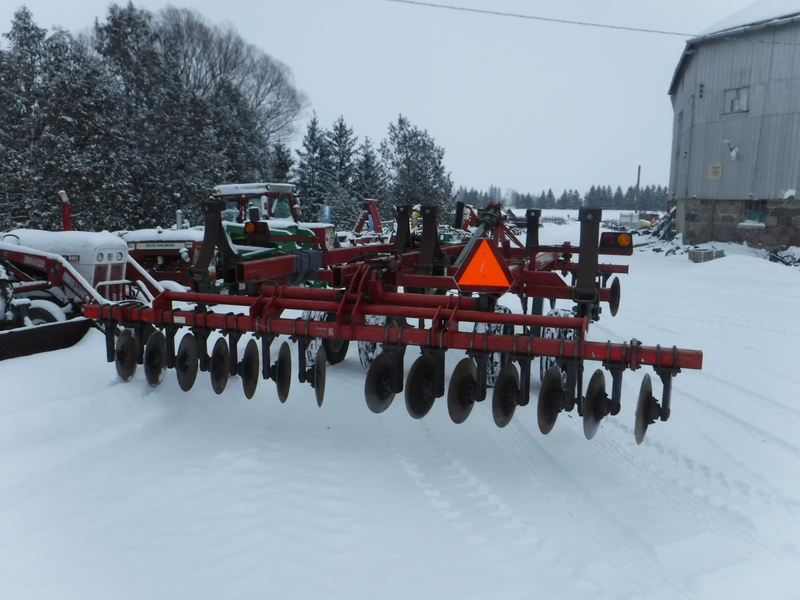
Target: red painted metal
388, 280
265, 317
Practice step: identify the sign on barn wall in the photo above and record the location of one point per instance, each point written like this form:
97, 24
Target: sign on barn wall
715, 172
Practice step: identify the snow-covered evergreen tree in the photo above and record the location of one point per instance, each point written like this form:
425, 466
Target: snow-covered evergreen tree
369, 177
342, 201
281, 162
415, 166
618, 199
343, 148
21, 120
314, 174
112, 119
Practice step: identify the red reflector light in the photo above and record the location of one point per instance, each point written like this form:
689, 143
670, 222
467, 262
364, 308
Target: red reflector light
616, 240
608, 239
256, 228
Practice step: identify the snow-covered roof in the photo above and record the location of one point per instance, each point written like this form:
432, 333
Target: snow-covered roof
762, 13
66, 242
757, 13
195, 234
249, 189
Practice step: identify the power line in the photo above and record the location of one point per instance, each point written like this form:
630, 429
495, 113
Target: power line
547, 19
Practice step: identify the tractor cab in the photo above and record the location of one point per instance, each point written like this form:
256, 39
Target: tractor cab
273, 201
274, 211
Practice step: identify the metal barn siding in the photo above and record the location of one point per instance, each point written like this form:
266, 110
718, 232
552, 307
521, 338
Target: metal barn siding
729, 165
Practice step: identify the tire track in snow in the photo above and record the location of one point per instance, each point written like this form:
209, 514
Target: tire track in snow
97, 440
474, 510
721, 520
756, 489
653, 321
744, 431
598, 527
780, 410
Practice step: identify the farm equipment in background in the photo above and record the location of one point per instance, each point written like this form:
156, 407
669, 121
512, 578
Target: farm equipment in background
413, 292
375, 233
167, 254
274, 204
664, 227
259, 219
466, 216
47, 276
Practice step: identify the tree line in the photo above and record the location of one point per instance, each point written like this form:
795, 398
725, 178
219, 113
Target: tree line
335, 172
647, 198
133, 118
145, 113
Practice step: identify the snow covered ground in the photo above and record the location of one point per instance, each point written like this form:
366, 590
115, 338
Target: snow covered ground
119, 491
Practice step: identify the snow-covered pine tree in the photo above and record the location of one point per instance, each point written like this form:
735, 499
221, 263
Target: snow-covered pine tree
281, 162
369, 177
593, 198
550, 199
618, 199
313, 172
83, 133
415, 166
344, 206
21, 122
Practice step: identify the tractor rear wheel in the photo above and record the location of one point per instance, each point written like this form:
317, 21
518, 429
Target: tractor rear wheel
545, 362
335, 349
369, 351
497, 360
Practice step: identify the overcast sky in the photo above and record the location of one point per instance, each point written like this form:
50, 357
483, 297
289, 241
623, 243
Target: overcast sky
517, 103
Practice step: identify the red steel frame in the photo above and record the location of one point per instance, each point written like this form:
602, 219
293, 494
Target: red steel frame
265, 316
364, 280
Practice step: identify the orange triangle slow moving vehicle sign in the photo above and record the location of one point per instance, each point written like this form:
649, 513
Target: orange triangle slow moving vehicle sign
484, 270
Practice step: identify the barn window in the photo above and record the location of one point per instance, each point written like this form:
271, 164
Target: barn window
735, 100
755, 210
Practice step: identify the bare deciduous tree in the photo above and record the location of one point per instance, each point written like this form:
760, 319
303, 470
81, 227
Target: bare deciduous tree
212, 60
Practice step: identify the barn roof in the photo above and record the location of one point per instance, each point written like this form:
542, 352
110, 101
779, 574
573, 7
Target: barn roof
758, 15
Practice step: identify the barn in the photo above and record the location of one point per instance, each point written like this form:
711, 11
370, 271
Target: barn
735, 165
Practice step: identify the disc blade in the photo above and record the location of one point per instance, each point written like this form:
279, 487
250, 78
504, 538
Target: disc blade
155, 358
419, 386
593, 411
283, 372
319, 374
460, 396
186, 362
220, 365
125, 355
644, 406
378, 385
504, 397
613, 300
249, 369
550, 397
